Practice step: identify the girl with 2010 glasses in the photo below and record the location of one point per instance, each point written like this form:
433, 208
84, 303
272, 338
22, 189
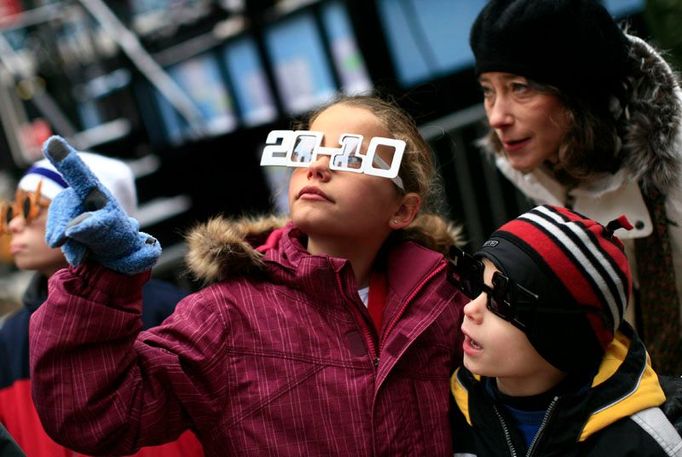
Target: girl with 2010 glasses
334, 338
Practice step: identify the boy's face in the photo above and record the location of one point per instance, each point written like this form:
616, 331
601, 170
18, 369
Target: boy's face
28, 246
493, 347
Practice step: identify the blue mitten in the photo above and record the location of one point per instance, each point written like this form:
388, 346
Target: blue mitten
85, 219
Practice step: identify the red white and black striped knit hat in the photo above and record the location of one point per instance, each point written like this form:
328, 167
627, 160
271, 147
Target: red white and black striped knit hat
574, 264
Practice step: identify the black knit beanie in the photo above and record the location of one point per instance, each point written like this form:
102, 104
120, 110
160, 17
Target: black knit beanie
573, 45
579, 271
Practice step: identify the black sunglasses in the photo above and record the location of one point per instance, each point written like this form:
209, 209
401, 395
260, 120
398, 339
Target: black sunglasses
505, 298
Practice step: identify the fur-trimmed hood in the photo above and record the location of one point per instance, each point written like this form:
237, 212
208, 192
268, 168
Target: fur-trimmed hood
652, 141
222, 248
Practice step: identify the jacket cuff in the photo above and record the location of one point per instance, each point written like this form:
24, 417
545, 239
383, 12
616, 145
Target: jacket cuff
94, 277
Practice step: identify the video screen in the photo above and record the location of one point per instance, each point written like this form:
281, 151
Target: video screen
251, 88
428, 38
201, 79
302, 69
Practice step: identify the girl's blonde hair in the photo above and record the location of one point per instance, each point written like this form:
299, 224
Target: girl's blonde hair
417, 169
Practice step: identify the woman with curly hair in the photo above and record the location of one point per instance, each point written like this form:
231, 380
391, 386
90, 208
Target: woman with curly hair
587, 116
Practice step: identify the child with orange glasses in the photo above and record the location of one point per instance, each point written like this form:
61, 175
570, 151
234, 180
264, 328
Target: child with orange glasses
24, 220
27, 204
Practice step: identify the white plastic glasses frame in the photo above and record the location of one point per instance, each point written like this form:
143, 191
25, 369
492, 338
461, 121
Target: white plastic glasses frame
282, 144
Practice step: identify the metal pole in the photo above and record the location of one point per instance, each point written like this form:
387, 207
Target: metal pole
42, 100
130, 44
31, 17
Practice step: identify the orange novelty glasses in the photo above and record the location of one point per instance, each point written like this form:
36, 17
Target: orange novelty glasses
27, 204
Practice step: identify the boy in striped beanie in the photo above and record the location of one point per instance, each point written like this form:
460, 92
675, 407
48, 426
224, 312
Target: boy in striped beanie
550, 366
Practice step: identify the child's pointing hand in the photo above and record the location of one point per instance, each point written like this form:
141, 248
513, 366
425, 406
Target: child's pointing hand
85, 219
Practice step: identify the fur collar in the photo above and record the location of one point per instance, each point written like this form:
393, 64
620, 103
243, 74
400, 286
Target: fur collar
653, 140
223, 248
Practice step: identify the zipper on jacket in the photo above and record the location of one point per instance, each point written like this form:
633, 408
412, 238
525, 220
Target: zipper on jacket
548, 413
369, 339
507, 435
538, 435
409, 299
374, 350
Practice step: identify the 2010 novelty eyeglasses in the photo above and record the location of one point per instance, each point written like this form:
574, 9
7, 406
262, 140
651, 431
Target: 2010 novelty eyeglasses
300, 148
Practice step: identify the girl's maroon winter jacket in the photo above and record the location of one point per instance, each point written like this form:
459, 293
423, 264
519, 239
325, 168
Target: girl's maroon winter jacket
280, 361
